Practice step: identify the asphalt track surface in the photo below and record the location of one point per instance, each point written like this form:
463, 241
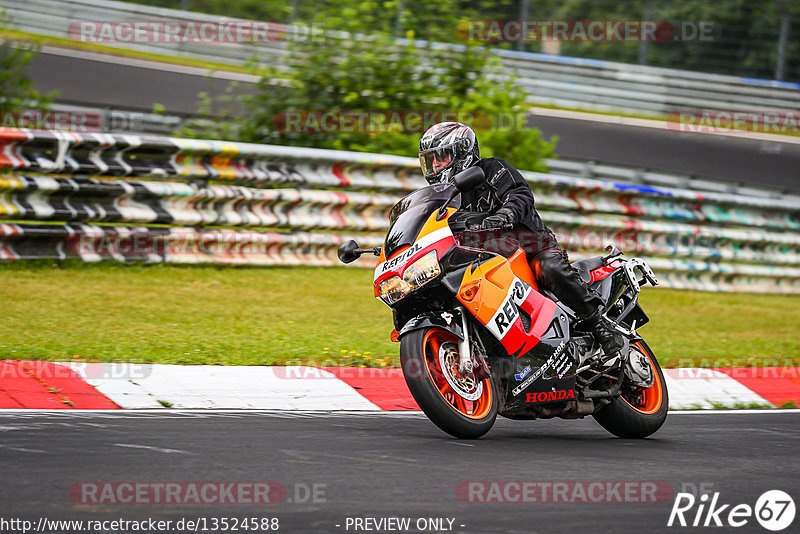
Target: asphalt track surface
748, 161
378, 465
125, 84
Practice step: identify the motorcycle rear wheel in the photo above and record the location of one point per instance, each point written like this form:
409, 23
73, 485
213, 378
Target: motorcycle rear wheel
637, 412
457, 404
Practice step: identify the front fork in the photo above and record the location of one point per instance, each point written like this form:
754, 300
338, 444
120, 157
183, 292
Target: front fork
464, 356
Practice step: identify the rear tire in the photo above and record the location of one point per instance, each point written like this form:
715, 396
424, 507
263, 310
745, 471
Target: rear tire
637, 412
420, 359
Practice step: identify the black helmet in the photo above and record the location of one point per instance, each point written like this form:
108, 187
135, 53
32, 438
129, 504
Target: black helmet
446, 149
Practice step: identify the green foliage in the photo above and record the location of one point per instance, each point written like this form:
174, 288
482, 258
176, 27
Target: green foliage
268, 10
212, 119
379, 73
746, 40
745, 34
16, 88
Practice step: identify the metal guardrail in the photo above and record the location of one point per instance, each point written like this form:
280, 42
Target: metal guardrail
90, 185
645, 176
122, 121
550, 80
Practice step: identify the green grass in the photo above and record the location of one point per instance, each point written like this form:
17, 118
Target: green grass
701, 329
280, 315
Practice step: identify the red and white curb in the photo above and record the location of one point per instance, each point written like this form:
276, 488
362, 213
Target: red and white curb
45, 385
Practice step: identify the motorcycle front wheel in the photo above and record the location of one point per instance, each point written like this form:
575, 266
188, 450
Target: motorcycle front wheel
460, 405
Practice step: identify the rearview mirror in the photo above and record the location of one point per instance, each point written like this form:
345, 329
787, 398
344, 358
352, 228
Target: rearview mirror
347, 252
469, 179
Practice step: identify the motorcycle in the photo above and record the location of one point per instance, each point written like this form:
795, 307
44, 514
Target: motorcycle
478, 338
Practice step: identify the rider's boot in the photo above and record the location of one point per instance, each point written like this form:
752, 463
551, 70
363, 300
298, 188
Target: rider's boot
609, 340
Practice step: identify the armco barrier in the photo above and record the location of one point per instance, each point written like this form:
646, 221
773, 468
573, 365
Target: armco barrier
551, 80
89, 185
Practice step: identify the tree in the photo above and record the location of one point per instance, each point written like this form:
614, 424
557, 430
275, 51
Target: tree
368, 71
16, 88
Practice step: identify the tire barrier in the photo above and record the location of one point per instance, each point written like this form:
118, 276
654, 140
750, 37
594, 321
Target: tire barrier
92, 243
81, 199
242, 163
86, 184
92, 200
269, 165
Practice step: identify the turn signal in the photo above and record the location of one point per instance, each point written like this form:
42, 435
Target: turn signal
469, 291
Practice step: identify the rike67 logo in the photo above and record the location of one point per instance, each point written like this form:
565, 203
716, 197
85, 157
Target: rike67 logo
774, 510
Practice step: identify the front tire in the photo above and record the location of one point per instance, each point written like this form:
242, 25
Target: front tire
457, 404
637, 412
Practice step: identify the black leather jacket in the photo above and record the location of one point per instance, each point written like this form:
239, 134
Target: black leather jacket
504, 188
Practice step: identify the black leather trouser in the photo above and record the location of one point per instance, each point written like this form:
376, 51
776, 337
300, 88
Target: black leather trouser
554, 273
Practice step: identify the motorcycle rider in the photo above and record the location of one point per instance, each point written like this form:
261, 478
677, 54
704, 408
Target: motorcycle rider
506, 202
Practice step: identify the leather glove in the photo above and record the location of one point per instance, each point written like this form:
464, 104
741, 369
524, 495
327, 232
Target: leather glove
503, 219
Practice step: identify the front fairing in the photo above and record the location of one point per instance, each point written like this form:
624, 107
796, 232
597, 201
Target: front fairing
416, 231
408, 216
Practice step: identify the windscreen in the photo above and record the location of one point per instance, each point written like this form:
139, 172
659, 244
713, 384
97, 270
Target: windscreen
409, 215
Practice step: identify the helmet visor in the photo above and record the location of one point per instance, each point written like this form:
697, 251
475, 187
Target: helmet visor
435, 160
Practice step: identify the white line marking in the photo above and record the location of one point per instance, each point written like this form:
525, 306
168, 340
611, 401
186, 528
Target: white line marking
165, 411
21, 449
312, 413
157, 449
729, 412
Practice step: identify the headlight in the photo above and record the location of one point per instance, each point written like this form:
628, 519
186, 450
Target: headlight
423, 270
393, 289
417, 275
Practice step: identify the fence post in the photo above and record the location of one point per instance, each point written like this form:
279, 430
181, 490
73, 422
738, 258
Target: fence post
523, 16
782, 38
644, 46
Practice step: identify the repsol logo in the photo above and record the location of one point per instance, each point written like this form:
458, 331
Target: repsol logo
544, 396
506, 316
390, 264
509, 311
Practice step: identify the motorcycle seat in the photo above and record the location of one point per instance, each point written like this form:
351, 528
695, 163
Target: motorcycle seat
585, 267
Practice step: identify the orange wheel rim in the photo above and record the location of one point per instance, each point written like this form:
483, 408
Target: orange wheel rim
650, 399
472, 409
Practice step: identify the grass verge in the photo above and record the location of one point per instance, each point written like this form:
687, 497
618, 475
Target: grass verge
324, 316
61, 42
